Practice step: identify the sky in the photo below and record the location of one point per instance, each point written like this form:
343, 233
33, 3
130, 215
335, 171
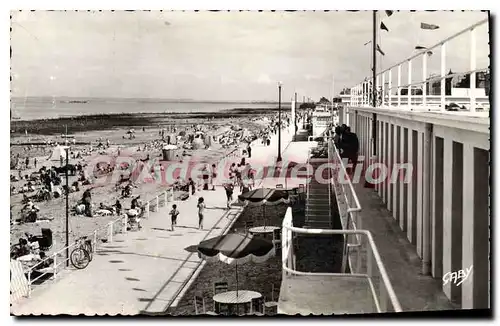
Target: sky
219, 56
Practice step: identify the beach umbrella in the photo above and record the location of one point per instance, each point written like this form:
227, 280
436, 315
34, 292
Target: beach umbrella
236, 249
265, 197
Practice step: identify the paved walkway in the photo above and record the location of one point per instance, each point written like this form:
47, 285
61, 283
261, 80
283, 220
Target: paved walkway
415, 291
139, 271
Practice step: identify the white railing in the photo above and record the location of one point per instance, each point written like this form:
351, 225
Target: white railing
383, 295
361, 94
348, 205
106, 233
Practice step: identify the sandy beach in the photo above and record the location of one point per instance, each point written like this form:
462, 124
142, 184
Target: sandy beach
29, 139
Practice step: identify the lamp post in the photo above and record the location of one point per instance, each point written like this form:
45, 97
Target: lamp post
279, 123
67, 207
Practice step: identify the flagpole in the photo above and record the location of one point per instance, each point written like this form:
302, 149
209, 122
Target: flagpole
374, 82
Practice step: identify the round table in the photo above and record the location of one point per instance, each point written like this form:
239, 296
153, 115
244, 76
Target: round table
263, 229
230, 298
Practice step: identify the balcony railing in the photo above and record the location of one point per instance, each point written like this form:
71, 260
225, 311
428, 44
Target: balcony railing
22, 281
361, 94
348, 206
382, 294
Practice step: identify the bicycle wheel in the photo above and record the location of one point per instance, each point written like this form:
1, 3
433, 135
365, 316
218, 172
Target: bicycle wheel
80, 258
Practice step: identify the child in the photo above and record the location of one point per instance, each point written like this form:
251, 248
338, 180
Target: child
201, 209
173, 214
229, 193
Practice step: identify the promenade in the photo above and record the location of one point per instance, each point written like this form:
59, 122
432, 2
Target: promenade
140, 271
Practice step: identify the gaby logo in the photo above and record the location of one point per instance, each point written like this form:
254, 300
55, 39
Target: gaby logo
457, 277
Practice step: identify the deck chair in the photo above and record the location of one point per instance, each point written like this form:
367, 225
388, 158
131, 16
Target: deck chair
199, 301
46, 241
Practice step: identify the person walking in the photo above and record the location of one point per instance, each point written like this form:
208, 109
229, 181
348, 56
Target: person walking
192, 185
214, 176
201, 210
173, 214
229, 187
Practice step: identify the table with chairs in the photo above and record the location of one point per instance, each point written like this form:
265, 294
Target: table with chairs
230, 302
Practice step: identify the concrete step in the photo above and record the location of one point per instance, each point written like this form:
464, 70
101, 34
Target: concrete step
318, 204
318, 225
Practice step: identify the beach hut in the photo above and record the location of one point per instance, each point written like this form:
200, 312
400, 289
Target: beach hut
169, 152
58, 152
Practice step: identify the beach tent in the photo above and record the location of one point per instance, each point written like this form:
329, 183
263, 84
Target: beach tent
58, 152
198, 143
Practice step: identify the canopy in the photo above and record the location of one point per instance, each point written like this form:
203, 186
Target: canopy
58, 152
236, 249
168, 147
265, 196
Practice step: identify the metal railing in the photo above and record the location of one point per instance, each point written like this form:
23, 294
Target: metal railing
106, 233
348, 205
383, 295
361, 94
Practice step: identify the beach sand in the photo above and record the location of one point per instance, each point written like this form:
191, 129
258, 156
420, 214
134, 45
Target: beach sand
42, 131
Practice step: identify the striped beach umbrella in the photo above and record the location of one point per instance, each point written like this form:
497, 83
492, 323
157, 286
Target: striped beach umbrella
236, 249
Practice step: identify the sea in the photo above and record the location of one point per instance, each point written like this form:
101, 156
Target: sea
33, 108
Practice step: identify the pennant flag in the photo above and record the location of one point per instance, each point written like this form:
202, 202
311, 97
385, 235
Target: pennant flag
382, 26
389, 13
380, 50
428, 26
419, 47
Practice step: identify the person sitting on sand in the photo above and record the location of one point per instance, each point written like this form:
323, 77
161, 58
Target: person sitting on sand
135, 203
118, 207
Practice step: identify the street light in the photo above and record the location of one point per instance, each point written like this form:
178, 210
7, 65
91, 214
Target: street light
279, 123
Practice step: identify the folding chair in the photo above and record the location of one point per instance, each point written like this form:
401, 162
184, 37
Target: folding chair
257, 306
272, 303
249, 225
220, 287
200, 301
277, 239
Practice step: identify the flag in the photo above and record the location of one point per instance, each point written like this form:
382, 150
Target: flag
382, 26
389, 13
428, 26
419, 47
380, 50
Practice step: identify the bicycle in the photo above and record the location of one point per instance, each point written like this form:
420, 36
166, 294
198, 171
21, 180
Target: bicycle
81, 256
